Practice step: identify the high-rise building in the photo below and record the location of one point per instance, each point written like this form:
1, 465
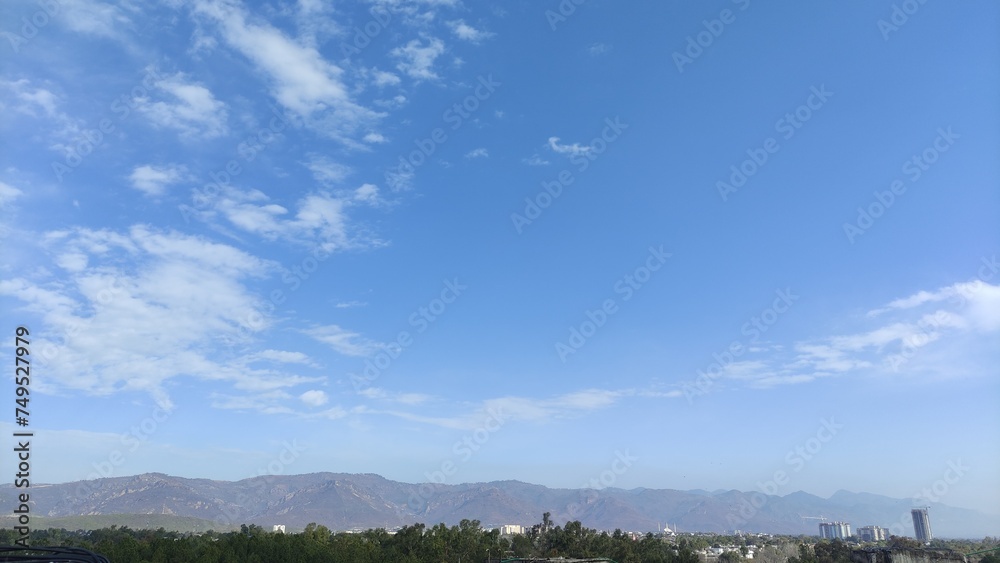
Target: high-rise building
871, 533
834, 530
921, 524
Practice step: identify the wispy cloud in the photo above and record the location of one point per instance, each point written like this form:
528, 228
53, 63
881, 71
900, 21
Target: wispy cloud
466, 32
343, 341
154, 180
301, 80
171, 313
8, 194
417, 59
535, 160
572, 150
598, 49
188, 107
320, 218
477, 153
327, 171
923, 320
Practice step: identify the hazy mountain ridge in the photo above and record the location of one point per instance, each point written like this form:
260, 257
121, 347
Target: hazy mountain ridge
343, 501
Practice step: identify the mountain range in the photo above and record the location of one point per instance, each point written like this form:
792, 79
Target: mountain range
359, 501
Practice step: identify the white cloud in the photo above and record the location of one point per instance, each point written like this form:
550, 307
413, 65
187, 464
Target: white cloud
466, 32
399, 180
344, 341
191, 108
91, 17
374, 138
511, 408
477, 153
314, 398
326, 171
598, 49
320, 220
379, 394
278, 356
954, 338
416, 60
367, 193
535, 160
31, 100
21, 97
8, 194
150, 307
301, 80
153, 180
572, 150
382, 78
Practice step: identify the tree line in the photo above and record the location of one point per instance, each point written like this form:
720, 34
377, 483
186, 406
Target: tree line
467, 542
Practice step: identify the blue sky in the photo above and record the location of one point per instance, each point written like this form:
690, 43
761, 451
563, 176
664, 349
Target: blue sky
436, 239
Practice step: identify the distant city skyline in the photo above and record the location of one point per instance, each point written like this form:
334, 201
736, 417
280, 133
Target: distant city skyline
692, 246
